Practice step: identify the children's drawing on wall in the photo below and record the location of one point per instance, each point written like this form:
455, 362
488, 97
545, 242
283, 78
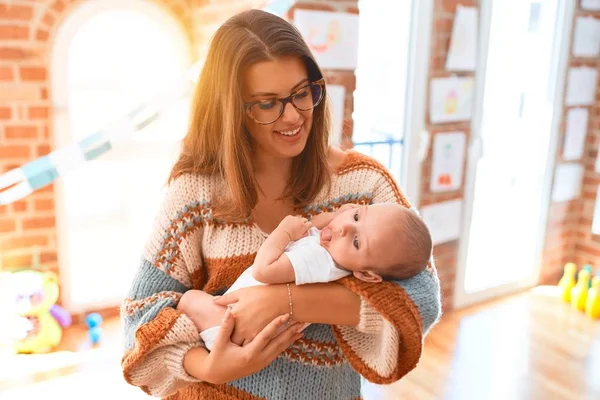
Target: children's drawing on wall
451, 99
447, 168
331, 36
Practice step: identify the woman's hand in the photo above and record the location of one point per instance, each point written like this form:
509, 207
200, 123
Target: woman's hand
254, 308
228, 362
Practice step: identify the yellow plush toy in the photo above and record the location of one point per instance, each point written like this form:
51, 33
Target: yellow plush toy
36, 296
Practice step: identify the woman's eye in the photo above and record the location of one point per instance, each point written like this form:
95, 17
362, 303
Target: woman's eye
302, 94
266, 104
356, 217
355, 242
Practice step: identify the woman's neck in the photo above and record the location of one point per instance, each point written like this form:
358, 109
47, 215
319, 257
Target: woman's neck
272, 172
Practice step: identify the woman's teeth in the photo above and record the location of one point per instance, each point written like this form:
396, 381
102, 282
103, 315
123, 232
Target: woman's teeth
290, 133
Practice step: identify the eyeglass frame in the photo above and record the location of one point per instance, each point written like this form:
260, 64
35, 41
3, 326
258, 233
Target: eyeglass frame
286, 100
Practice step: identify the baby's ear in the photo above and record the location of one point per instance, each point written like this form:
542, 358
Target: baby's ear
368, 276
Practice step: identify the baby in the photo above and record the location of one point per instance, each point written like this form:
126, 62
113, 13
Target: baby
371, 242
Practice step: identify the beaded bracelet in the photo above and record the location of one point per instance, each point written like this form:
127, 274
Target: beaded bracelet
291, 308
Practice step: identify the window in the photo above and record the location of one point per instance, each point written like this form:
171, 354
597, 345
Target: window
381, 80
117, 58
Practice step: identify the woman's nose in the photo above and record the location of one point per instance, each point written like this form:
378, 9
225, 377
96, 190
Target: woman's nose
290, 114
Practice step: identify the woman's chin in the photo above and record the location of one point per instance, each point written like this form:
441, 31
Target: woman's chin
290, 146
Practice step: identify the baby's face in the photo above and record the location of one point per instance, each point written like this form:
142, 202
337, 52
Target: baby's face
361, 239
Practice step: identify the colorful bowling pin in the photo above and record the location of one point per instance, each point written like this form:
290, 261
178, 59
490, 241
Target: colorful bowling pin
567, 282
589, 268
579, 292
592, 305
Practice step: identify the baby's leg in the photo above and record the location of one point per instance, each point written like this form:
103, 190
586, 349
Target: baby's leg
201, 309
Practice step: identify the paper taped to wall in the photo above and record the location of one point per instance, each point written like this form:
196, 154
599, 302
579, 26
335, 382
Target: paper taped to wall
576, 129
587, 37
451, 99
444, 220
581, 86
462, 55
448, 160
568, 179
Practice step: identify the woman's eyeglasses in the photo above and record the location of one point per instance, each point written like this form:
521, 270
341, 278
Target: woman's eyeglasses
267, 111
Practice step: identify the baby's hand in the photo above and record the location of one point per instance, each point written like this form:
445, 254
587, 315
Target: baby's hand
295, 227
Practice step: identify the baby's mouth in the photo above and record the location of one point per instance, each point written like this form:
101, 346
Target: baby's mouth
325, 235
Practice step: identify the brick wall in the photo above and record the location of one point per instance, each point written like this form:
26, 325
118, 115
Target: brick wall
569, 237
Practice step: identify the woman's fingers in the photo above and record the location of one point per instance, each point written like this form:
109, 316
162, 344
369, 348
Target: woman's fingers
226, 299
283, 341
226, 330
270, 331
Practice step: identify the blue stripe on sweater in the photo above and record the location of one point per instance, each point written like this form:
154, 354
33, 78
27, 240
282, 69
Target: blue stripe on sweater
148, 278
334, 203
274, 383
418, 288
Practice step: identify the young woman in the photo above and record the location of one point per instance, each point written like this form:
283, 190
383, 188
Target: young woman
256, 151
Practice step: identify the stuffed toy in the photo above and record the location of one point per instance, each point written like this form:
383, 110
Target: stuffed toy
35, 296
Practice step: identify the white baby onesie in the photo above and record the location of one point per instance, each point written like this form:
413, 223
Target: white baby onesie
311, 263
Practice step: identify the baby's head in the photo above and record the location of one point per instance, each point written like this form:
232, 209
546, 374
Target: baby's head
379, 240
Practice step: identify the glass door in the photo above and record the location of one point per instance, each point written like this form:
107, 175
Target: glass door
507, 184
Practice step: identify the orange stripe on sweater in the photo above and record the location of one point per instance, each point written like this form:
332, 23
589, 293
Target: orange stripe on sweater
207, 391
147, 337
392, 302
355, 161
222, 272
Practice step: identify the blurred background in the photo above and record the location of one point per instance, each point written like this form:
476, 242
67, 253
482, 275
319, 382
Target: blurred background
487, 112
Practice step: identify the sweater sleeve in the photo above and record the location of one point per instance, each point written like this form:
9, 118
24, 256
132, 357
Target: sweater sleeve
395, 315
156, 335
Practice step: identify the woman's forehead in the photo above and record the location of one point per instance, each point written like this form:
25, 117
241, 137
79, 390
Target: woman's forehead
279, 76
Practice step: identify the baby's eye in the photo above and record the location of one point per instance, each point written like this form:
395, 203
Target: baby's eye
355, 242
356, 217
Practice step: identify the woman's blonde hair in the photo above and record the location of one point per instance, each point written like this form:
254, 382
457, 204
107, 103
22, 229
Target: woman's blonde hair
217, 143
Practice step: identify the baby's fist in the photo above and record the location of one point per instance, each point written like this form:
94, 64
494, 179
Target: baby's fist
295, 227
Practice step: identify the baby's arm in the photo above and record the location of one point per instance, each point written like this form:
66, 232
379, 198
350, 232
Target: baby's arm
271, 264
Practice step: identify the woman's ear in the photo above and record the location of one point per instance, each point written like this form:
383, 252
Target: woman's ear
368, 276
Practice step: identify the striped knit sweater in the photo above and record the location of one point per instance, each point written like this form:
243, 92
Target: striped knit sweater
188, 248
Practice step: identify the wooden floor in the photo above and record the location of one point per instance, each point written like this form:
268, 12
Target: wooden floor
529, 346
